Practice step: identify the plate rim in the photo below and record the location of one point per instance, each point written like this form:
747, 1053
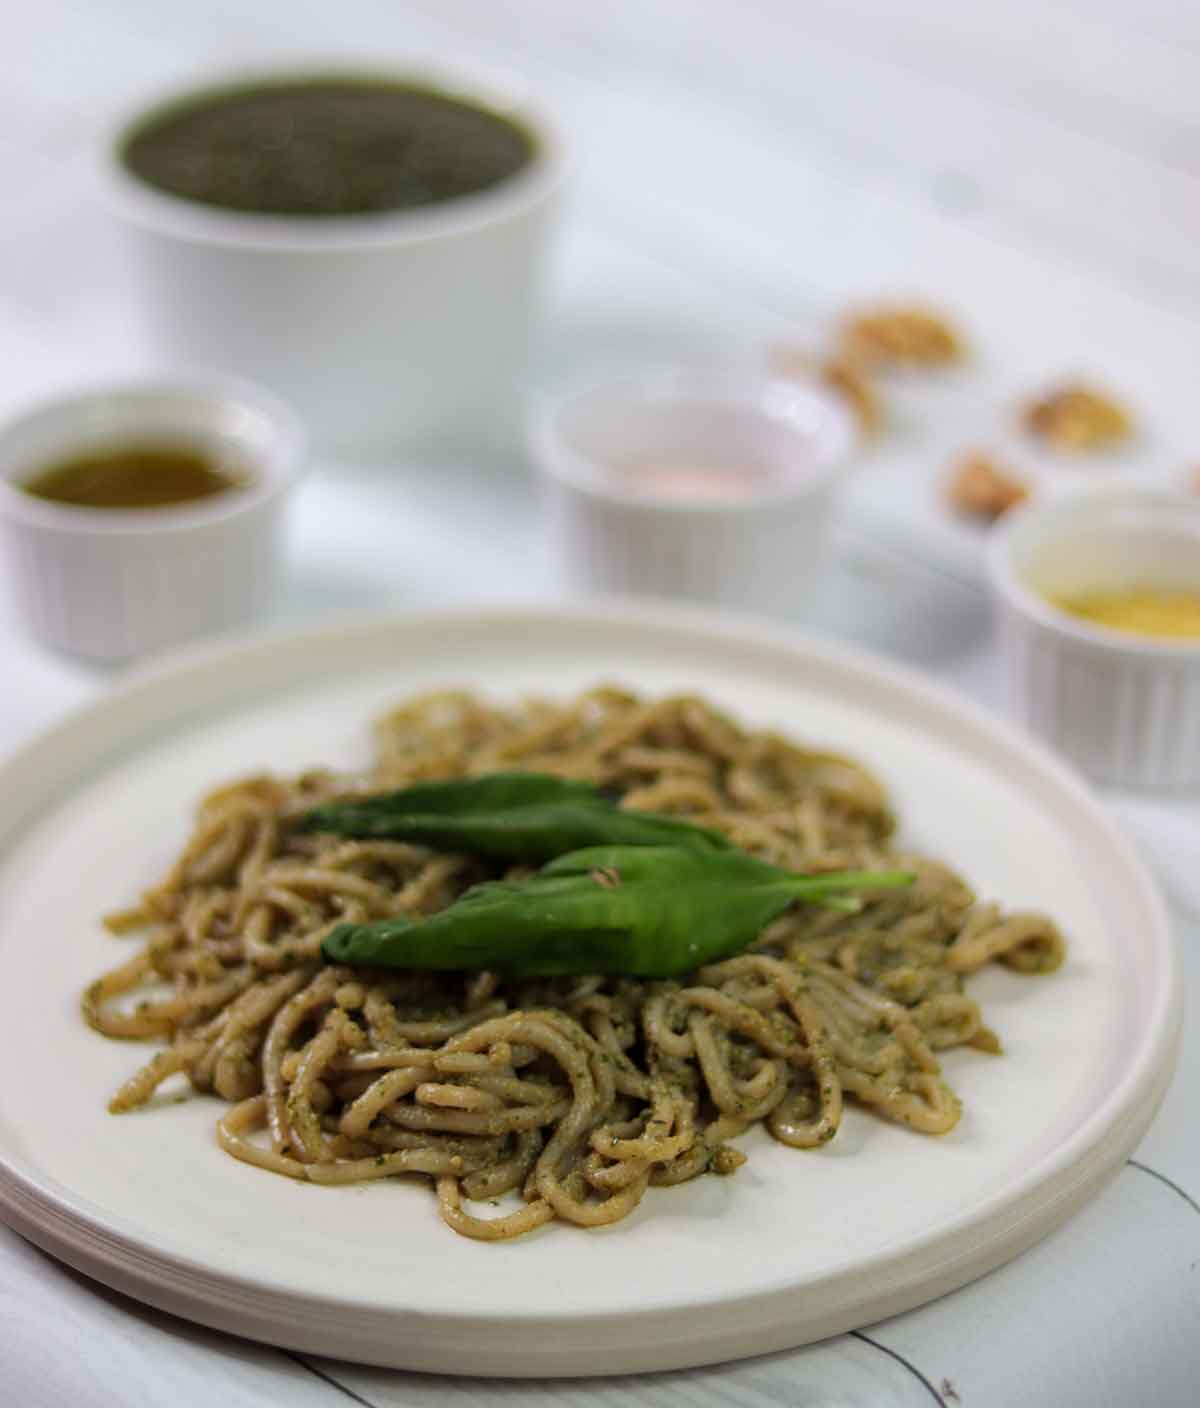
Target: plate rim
72, 1229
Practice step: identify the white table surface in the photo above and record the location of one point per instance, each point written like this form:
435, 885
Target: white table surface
744, 169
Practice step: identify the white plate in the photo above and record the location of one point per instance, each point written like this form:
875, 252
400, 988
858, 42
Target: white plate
799, 1245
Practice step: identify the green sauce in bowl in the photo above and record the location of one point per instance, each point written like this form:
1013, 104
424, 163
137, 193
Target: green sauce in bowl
325, 147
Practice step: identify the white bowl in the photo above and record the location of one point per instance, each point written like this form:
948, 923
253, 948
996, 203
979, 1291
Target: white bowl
112, 584
1123, 708
388, 331
626, 522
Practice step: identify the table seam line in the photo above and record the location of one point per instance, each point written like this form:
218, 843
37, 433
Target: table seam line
326, 1378
900, 1359
1168, 1182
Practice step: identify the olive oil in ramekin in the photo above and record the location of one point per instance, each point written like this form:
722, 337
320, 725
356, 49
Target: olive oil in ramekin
134, 476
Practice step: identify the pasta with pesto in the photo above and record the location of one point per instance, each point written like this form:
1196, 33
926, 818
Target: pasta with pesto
569, 1097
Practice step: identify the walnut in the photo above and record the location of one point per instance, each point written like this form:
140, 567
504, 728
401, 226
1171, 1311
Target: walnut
852, 386
983, 489
841, 376
1077, 418
899, 336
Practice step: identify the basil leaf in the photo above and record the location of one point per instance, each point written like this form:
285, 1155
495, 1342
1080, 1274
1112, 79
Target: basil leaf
507, 816
635, 911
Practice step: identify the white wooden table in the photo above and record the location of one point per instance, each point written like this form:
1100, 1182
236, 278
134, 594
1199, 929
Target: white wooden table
744, 170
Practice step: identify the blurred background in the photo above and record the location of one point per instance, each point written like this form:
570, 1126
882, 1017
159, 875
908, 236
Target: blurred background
740, 177
738, 170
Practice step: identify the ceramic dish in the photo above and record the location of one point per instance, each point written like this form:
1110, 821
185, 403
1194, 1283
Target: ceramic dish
1125, 708
715, 485
397, 329
111, 584
796, 1247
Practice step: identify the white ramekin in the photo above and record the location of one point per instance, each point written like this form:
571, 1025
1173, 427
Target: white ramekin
1123, 708
114, 584
760, 552
395, 331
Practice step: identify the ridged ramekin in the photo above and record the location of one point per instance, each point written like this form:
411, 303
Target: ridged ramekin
760, 551
1123, 708
113, 584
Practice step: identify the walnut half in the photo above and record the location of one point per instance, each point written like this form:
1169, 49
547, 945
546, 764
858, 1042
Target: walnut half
900, 336
1077, 418
979, 487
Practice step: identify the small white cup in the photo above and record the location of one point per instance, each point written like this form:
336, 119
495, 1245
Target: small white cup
393, 331
756, 544
1123, 708
111, 584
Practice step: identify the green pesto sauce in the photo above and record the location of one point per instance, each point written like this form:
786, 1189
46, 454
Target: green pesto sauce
325, 146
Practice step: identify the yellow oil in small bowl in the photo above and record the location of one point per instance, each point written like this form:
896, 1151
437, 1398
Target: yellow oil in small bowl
1142, 611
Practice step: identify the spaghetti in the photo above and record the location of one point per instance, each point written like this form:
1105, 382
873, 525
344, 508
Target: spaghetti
574, 1095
